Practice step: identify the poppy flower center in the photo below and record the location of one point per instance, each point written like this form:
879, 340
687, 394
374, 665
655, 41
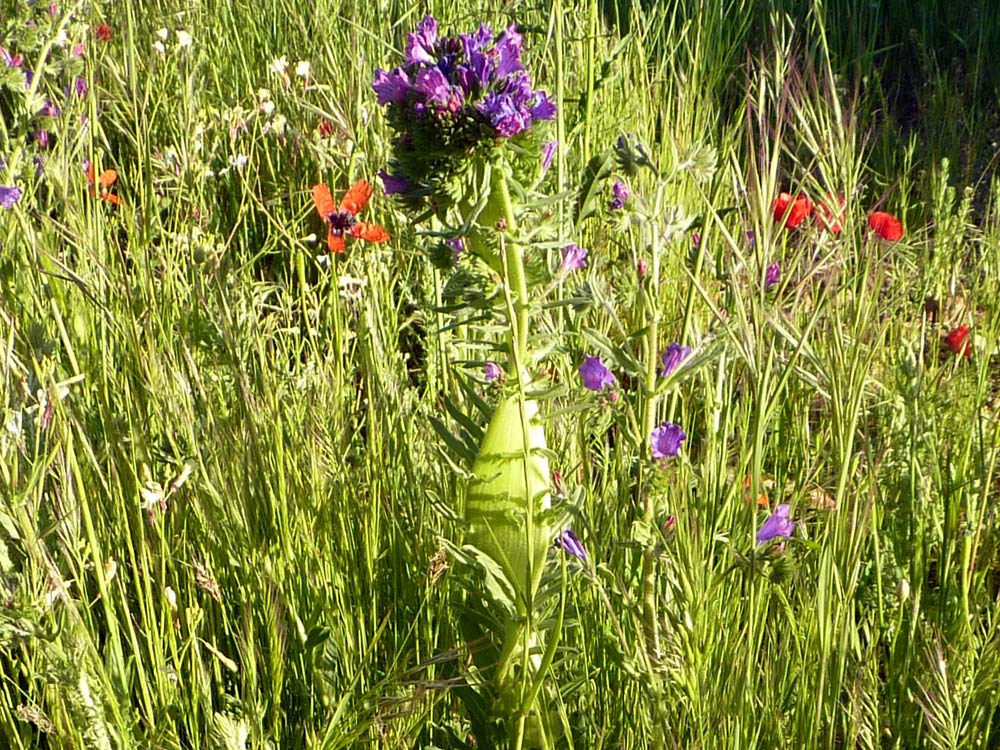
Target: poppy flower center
340, 221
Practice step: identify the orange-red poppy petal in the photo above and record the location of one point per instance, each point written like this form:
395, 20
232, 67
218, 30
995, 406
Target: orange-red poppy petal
791, 210
108, 178
336, 242
357, 197
886, 226
370, 232
111, 197
323, 200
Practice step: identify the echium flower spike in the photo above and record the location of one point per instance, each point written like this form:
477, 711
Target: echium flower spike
455, 100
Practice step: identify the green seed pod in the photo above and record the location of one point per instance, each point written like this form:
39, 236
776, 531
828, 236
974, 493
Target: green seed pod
506, 492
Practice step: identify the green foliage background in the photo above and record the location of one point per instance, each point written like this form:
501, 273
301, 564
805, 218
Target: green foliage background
222, 496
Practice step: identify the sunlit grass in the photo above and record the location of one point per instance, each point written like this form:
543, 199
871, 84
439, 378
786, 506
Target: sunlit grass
222, 498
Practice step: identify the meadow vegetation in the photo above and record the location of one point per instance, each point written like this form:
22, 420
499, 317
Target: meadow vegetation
237, 470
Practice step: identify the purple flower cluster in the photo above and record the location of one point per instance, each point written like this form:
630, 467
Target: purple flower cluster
9, 196
772, 275
473, 75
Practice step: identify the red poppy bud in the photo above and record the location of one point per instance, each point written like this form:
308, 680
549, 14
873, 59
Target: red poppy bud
958, 341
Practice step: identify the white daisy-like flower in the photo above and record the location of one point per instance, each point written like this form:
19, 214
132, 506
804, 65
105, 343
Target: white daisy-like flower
163, 34
278, 65
267, 108
302, 68
183, 39
158, 47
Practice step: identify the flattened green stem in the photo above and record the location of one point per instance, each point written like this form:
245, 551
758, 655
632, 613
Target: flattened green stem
513, 265
651, 312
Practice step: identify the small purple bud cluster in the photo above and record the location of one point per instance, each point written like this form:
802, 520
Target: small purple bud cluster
619, 194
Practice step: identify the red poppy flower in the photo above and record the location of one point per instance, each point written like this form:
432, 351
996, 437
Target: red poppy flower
108, 178
886, 226
958, 341
325, 129
791, 210
830, 213
103, 32
344, 218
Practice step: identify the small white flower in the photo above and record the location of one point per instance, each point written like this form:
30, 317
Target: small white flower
158, 47
263, 95
238, 160
302, 68
267, 107
183, 38
152, 494
163, 34
13, 425
278, 66
278, 124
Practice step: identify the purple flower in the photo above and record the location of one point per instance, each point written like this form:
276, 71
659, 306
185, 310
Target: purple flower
696, 240
391, 87
543, 108
391, 184
570, 543
39, 166
666, 440
548, 154
9, 196
49, 109
508, 53
42, 138
433, 86
81, 87
620, 194
772, 275
457, 247
574, 258
673, 357
420, 44
778, 525
595, 376
492, 371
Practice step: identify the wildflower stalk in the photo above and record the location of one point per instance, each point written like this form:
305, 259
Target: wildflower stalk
651, 314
